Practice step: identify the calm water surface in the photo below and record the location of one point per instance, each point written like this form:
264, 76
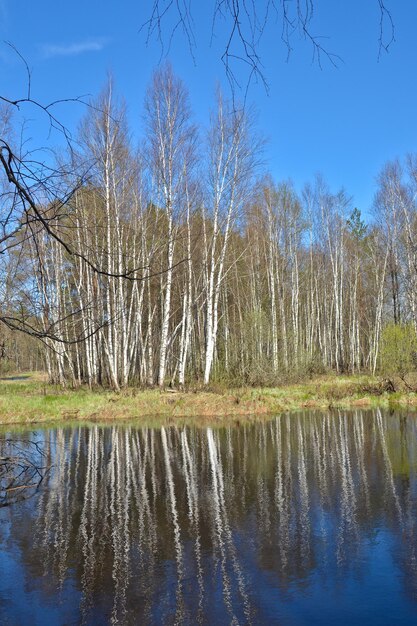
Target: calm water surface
306, 519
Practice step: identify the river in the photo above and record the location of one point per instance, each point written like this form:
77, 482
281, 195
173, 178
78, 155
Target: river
303, 519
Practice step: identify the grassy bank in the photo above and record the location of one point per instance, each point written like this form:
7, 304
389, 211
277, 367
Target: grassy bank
30, 400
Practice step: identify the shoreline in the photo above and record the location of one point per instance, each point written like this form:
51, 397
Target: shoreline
29, 401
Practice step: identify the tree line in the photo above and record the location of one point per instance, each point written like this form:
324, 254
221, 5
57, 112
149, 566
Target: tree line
181, 261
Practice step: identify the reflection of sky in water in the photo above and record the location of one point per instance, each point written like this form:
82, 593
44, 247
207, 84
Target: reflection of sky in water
308, 519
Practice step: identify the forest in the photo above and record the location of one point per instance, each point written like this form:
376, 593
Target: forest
178, 258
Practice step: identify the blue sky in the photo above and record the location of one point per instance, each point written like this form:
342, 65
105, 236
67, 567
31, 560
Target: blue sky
343, 122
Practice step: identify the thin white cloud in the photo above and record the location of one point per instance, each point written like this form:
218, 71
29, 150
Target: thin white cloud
4, 16
72, 49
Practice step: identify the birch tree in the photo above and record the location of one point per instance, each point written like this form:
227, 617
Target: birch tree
230, 168
170, 145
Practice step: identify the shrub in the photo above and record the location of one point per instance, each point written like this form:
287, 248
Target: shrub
398, 350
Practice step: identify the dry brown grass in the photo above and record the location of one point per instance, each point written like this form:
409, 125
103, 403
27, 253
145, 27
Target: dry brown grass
31, 400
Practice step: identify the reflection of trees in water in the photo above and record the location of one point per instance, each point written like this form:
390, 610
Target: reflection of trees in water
175, 525
24, 464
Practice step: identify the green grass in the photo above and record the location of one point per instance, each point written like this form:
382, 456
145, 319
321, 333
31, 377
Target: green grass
33, 401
